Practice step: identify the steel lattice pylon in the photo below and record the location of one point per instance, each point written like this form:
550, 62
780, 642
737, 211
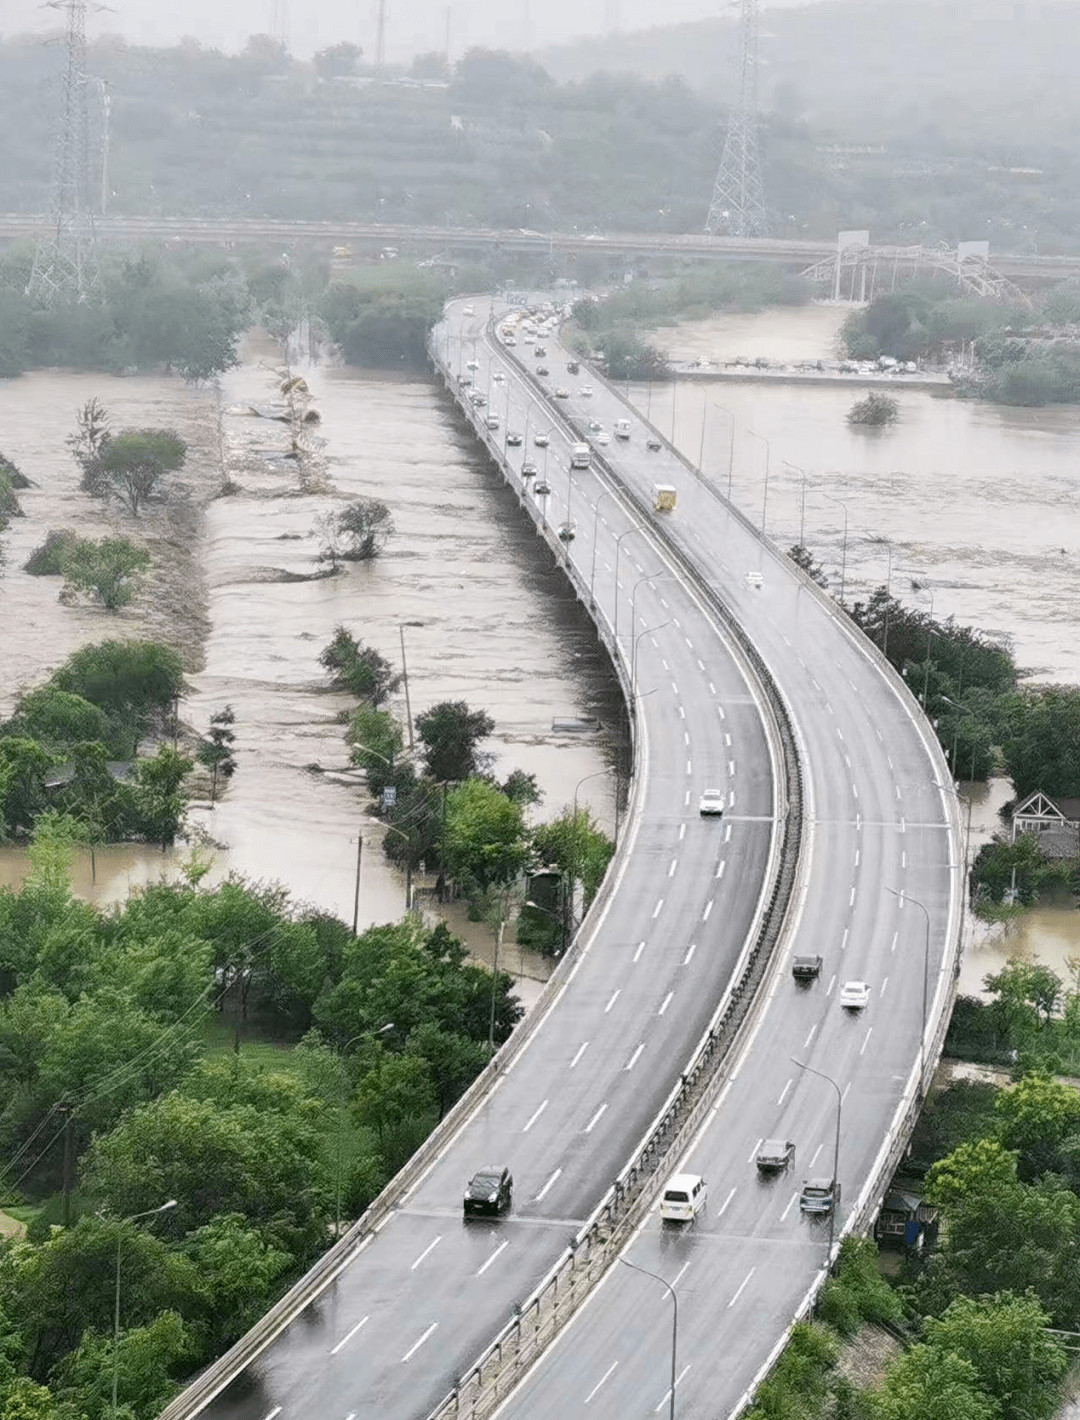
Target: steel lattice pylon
279, 22
65, 263
737, 208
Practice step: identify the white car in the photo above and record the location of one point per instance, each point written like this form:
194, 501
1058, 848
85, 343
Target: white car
468, 311
498, 377
587, 391
541, 440
603, 437
854, 995
711, 803
472, 364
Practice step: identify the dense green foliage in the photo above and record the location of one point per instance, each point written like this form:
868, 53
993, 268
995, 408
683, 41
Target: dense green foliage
1031, 1018
143, 313
106, 1015
875, 411
383, 326
106, 569
95, 708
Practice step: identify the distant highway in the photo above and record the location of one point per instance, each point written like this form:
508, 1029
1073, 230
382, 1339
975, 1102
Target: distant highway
459, 241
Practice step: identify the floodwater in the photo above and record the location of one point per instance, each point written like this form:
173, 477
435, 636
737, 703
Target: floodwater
485, 617
974, 502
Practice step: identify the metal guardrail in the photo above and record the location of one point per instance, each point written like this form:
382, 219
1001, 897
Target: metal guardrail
538, 1320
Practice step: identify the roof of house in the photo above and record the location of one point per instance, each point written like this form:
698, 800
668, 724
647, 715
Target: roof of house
1043, 805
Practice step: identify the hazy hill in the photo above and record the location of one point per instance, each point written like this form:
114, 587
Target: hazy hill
999, 74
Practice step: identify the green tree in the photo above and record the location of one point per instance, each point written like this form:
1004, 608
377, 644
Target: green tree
453, 1061
133, 464
875, 411
375, 739
1023, 995
23, 1399
56, 718
360, 669
366, 526
337, 60
1035, 1118
973, 1170
804, 558
24, 766
157, 797
522, 788
484, 842
107, 568
578, 848
216, 751
91, 435
451, 733
392, 1091
237, 1271
1042, 747
928, 1383
129, 680
1004, 1338
148, 1360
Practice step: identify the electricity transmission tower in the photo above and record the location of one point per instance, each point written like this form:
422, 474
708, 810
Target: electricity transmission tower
737, 208
380, 34
65, 262
279, 22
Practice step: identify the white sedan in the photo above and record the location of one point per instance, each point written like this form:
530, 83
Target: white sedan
711, 803
854, 995
587, 391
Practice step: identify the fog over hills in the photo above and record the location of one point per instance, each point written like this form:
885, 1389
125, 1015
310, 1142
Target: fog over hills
413, 26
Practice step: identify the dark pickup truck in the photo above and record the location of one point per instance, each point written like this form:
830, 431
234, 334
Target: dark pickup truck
806, 968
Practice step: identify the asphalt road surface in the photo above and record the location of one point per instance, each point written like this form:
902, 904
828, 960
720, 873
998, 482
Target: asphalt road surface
387, 1338
878, 820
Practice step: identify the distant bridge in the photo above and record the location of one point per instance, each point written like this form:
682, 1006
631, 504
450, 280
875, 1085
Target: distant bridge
459, 242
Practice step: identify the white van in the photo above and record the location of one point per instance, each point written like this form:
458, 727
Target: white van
683, 1198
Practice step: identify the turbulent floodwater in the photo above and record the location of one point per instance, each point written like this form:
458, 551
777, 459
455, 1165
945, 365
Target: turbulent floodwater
486, 618
977, 502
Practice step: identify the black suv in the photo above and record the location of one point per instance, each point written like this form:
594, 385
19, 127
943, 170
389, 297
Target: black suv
490, 1192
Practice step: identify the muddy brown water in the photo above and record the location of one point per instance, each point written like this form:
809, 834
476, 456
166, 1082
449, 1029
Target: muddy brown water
486, 619
977, 501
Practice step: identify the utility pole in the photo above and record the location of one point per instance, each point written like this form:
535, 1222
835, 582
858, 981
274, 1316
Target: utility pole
380, 35
405, 680
65, 262
737, 208
69, 1160
446, 39
279, 22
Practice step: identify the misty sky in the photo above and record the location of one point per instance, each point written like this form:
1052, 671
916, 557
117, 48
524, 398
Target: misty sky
412, 25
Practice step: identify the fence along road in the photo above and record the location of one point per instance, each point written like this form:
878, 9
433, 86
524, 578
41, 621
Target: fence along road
383, 1326
877, 819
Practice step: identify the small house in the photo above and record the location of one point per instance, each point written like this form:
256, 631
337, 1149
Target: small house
904, 1218
1055, 822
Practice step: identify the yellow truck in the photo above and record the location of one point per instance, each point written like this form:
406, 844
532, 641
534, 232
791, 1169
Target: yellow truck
663, 497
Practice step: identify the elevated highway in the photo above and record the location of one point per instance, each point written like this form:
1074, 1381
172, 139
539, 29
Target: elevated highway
415, 1301
460, 242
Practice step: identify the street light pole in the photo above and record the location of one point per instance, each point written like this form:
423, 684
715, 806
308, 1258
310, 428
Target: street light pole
604, 493
906, 897
674, 1326
494, 985
768, 456
929, 638
836, 1148
618, 553
150, 1213
843, 555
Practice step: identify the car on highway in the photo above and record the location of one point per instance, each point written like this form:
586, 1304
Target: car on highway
572, 367
819, 1195
489, 1192
540, 351
683, 1198
513, 438
541, 439
562, 393
806, 967
854, 995
509, 340
603, 437
498, 377
478, 399
587, 391
492, 421
594, 426
541, 488
468, 311
567, 531
774, 1155
755, 580
472, 364
653, 445
711, 803
464, 381
542, 370
529, 469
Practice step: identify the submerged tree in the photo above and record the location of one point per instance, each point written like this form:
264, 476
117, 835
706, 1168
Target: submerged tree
216, 751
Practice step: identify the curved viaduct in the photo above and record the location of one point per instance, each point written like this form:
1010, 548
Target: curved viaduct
828, 772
